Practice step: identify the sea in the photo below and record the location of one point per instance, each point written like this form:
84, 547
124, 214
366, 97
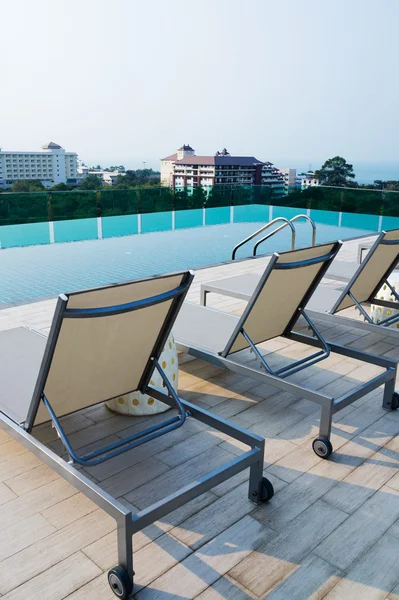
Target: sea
365, 172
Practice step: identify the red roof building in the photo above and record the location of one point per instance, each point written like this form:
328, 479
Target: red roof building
186, 169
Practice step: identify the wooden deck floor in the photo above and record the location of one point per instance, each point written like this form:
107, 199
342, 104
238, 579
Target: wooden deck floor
331, 530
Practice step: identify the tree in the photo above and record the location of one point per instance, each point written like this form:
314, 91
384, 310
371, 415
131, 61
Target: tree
119, 168
24, 186
130, 178
390, 185
92, 182
336, 172
121, 183
62, 187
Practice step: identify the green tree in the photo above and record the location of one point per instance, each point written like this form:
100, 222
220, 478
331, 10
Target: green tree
120, 168
62, 187
130, 178
390, 185
336, 172
92, 182
32, 185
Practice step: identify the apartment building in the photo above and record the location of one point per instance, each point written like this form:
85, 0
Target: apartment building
50, 166
289, 177
168, 163
186, 169
108, 177
306, 180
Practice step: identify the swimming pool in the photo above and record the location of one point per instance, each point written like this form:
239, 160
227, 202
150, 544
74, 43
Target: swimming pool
41, 271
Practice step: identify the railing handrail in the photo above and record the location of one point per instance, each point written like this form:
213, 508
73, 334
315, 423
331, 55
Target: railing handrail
263, 228
312, 223
269, 235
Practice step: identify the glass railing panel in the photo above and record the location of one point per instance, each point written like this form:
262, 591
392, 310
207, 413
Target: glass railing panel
242, 196
27, 234
388, 223
360, 221
152, 200
263, 195
362, 201
119, 225
189, 218
23, 208
75, 230
219, 196
251, 213
287, 212
190, 198
217, 215
156, 221
17, 208
119, 202
325, 217
390, 204
79, 204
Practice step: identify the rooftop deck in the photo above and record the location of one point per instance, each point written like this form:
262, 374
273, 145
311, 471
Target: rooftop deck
331, 530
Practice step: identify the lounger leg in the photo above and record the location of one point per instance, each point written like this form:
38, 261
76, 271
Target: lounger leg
203, 296
325, 421
389, 391
256, 478
120, 578
322, 445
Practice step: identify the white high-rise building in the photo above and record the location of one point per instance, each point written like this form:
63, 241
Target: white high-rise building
289, 176
50, 166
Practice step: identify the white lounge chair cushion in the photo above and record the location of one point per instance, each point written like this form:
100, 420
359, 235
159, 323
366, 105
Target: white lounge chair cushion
203, 327
138, 404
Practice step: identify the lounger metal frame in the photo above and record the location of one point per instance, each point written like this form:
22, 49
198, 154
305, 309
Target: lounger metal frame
329, 404
127, 522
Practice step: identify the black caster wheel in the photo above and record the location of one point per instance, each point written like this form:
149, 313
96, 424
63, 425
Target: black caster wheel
120, 582
395, 401
267, 490
322, 447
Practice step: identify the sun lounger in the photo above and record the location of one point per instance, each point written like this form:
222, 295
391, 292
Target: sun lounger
276, 304
105, 343
371, 275
364, 282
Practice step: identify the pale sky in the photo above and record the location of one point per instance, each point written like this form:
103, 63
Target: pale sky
126, 81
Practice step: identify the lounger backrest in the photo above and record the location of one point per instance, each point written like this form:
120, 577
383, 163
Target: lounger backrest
106, 352
380, 261
280, 292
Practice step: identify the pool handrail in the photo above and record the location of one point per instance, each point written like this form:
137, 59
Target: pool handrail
263, 228
302, 216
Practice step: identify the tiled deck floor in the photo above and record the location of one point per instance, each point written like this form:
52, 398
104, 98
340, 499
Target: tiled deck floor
331, 530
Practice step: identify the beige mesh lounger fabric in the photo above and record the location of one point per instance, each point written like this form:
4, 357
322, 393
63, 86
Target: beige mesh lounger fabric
217, 336
102, 344
372, 273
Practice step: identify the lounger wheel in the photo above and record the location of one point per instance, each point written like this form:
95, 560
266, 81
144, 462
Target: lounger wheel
395, 401
120, 582
322, 447
267, 490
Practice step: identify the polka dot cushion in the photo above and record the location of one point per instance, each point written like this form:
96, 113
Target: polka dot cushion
379, 313
140, 404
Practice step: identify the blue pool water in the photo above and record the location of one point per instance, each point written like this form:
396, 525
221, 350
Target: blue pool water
41, 271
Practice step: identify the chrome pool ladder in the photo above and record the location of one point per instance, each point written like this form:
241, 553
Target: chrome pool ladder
286, 223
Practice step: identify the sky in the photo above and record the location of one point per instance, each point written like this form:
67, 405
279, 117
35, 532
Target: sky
127, 81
